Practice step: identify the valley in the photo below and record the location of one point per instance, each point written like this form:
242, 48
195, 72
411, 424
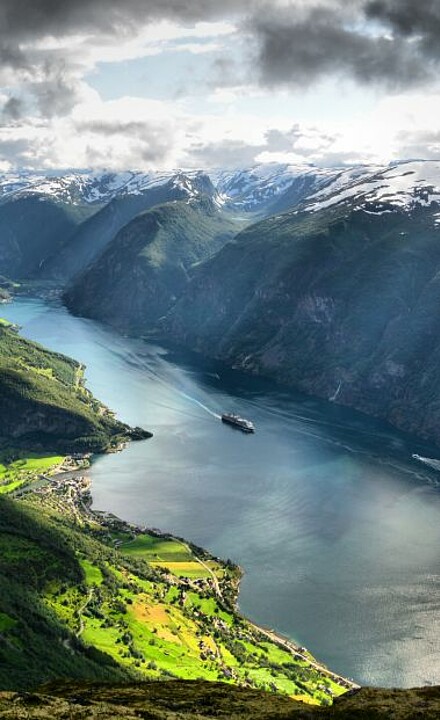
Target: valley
317, 504
219, 360
88, 596
280, 293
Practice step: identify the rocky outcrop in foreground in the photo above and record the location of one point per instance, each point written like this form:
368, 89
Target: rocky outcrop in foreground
195, 700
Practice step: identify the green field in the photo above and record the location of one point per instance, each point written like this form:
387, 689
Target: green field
93, 575
174, 555
18, 472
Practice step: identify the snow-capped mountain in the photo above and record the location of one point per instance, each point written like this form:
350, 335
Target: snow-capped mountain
251, 188
401, 186
100, 188
262, 187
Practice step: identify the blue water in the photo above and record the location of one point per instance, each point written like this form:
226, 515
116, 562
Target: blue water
336, 526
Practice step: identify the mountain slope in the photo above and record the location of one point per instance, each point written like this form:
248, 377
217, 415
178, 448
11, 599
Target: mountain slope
264, 189
44, 405
52, 226
93, 235
32, 229
341, 302
88, 596
148, 264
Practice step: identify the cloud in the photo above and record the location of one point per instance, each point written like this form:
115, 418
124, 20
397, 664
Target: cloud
12, 109
51, 117
409, 18
47, 47
376, 42
30, 18
424, 144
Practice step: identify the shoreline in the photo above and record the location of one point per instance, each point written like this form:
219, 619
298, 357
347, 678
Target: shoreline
82, 501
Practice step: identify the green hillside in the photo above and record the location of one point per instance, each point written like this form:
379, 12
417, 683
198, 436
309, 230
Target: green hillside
44, 405
88, 596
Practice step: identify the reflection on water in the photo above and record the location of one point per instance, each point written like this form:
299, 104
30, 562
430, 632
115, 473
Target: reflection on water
335, 524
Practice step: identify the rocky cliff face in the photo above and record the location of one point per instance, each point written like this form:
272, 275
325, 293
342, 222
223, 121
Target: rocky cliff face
341, 303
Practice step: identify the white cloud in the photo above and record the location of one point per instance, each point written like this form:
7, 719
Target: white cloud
144, 133
52, 117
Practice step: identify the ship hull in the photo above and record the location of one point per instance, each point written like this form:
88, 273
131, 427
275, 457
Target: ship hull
238, 425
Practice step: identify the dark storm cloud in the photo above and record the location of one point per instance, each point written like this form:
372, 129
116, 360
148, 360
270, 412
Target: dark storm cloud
52, 80
400, 46
38, 17
407, 17
390, 42
11, 55
12, 109
55, 94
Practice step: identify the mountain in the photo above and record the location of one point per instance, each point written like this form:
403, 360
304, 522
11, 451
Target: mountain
52, 226
44, 404
335, 295
94, 234
274, 187
32, 228
339, 299
406, 186
149, 262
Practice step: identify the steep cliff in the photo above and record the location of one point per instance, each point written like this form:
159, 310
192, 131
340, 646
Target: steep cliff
341, 302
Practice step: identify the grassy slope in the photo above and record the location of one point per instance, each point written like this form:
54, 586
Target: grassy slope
17, 469
44, 404
82, 599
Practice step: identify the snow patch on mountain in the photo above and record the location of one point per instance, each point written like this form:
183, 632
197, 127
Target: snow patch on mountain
262, 188
101, 188
402, 186
250, 188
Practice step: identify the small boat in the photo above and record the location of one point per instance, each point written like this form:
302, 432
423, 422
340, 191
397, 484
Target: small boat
239, 422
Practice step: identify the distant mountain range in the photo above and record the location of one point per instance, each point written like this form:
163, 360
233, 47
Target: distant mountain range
325, 279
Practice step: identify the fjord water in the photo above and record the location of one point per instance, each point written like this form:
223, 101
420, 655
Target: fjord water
336, 526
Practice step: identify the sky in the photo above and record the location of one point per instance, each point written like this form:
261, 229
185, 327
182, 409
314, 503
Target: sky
162, 84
